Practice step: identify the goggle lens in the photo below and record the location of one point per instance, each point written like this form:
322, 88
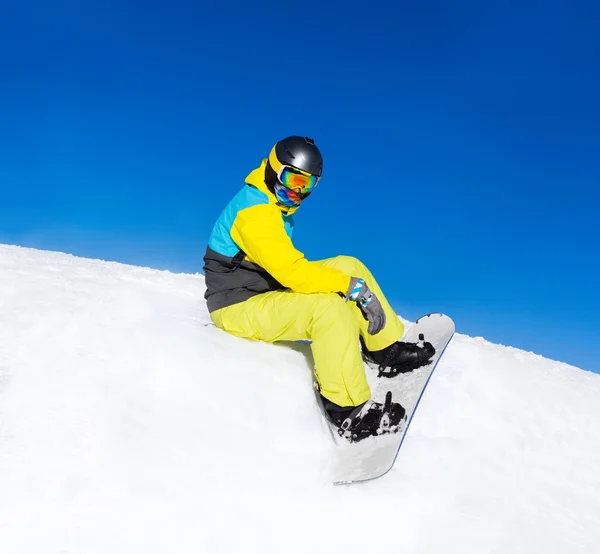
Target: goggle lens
294, 179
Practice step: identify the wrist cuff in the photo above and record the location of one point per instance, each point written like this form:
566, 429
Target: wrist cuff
355, 291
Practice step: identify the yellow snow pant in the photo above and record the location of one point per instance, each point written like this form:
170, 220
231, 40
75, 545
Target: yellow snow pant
328, 320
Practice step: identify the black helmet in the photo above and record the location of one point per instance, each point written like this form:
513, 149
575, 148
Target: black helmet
299, 152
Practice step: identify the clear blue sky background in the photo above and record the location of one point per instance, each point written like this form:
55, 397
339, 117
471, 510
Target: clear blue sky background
461, 143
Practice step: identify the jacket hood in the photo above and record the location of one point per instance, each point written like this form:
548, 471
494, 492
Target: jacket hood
256, 178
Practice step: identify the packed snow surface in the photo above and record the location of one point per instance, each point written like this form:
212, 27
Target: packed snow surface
129, 424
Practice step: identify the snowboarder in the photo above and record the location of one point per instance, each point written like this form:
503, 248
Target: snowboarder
260, 287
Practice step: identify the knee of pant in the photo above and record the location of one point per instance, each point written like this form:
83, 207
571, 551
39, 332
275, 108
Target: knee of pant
350, 265
333, 309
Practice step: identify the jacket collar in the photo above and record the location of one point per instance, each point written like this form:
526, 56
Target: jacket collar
257, 179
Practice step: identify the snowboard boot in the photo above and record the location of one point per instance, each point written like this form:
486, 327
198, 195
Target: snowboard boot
356, 423
401, 357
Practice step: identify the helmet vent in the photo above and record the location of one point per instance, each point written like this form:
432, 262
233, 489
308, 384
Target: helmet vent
309, 140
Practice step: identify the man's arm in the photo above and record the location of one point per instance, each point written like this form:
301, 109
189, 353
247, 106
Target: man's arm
260, 233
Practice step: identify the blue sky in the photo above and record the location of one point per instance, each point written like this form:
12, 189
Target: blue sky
461, 144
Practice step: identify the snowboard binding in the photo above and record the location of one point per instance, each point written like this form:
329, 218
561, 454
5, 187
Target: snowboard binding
373, 419
401, 357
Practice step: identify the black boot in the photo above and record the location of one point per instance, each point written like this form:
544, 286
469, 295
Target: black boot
358, 423
401, 357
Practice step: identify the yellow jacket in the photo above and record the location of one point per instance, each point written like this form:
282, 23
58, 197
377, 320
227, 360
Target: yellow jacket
255, 224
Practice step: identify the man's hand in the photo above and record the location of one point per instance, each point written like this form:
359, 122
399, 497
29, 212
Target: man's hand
368, 303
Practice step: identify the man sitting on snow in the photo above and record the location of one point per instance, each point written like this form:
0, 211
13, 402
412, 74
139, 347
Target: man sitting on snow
260, 287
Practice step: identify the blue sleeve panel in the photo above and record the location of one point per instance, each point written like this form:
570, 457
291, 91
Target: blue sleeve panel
220, 239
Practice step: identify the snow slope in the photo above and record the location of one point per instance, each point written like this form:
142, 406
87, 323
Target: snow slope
130, 424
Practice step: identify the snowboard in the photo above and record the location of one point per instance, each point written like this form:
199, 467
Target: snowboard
374, 456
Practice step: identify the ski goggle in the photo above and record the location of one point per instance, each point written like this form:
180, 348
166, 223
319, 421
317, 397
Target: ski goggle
297, 180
